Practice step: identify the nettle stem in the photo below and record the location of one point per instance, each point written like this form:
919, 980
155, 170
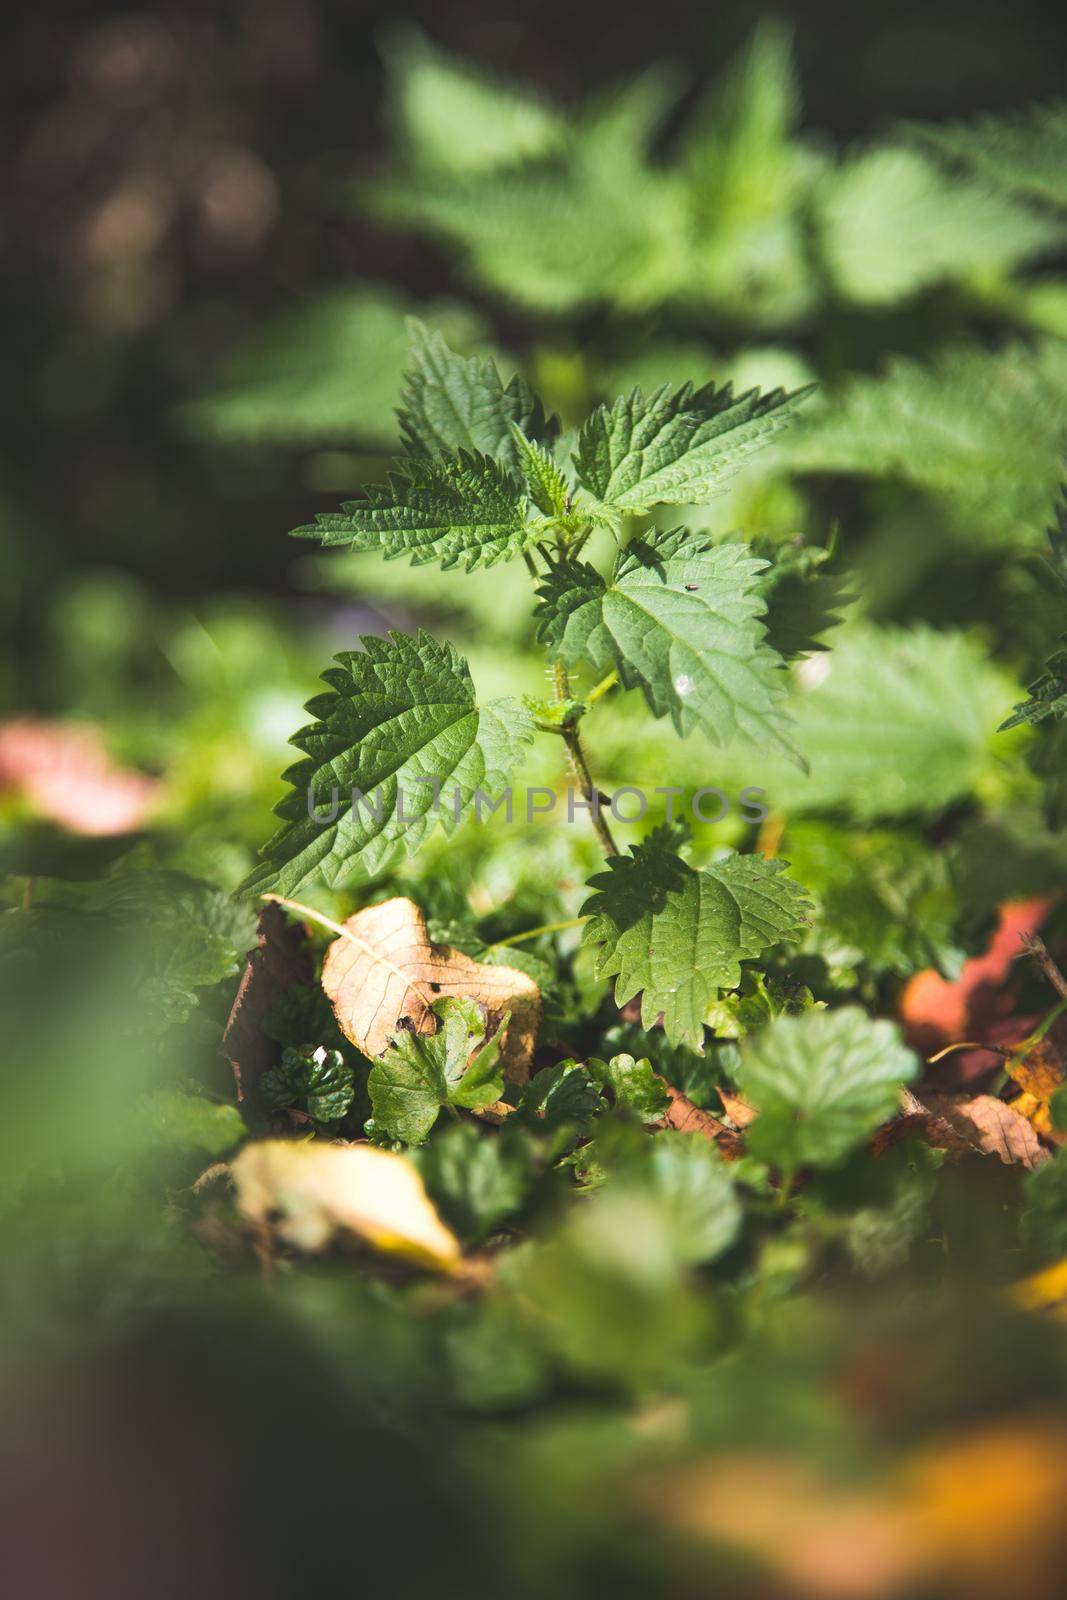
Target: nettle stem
601, 688
536, 933
580, 767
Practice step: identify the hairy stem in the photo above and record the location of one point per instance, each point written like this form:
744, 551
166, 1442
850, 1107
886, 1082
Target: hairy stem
1038, 949
580, 767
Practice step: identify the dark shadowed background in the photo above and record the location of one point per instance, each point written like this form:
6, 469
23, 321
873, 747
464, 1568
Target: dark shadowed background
172, 173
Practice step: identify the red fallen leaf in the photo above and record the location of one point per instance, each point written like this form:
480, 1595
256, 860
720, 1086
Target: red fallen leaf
935, 1011
66, 774
280, 961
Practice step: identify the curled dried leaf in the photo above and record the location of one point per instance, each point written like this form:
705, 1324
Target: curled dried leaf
280, 960
685, 1117
310, 1192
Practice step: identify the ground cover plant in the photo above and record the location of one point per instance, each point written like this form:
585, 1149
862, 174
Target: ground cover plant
607, 1136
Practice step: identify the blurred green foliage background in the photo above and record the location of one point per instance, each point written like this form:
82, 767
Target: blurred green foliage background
217, 218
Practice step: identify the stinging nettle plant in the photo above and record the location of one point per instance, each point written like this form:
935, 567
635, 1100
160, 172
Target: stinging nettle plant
677, 616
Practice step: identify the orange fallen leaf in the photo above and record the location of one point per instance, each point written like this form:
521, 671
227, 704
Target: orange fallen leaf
979, 1514
936, 1011
987, 1508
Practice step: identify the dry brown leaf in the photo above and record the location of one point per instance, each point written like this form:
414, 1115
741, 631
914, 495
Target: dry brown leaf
684, 1116
310, 1191
917, 1118
383, 967
280, 960
992, 1126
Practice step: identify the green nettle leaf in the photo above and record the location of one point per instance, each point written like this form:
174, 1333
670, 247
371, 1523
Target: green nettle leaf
420, 1073
476, 1182
465, 507
548, 487
590, 220
454, 117
695, 1191
676, 447
560, 1094
678, 935
821, 1083
697, 1075
292, 383
804, 599
891, 224
319, 1077
679, 619
400, 718
1048, 692
980, 430
182, 1122
893, 722
1024, 152
634, 1084
455, 403
737, 153
186, 934
755, 1003
886, 901
1044, 1222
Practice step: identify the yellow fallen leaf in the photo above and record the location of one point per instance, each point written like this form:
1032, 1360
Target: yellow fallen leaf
383, 967
311, 1191
1039, 1073
1043, 1290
